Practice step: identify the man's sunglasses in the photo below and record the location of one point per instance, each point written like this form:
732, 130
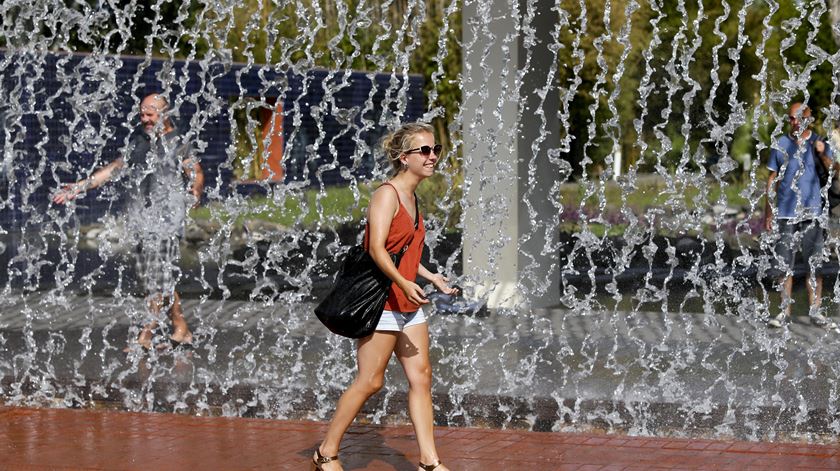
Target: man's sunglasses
426, 150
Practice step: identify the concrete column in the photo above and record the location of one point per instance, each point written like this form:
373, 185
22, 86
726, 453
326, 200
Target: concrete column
511, 127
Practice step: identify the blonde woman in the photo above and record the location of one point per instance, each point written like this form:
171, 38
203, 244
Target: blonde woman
393, 222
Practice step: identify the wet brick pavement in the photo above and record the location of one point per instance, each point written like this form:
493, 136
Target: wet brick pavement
64, 439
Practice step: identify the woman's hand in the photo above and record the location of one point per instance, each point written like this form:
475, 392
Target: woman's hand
442, 284
413, 292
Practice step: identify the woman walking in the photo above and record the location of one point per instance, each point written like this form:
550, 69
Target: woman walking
393, 222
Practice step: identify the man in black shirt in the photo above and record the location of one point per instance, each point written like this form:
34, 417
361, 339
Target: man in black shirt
168, 180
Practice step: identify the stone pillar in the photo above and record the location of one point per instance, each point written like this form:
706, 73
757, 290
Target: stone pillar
510, 122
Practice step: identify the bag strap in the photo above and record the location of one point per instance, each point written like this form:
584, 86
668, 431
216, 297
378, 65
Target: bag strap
416, 217
416, 213
416, 223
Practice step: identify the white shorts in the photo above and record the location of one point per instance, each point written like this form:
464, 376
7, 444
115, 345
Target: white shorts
394, 321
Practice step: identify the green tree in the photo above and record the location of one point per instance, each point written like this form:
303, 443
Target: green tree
692, 79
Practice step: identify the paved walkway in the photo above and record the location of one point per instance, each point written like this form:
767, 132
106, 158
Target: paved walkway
35, 439
657, 371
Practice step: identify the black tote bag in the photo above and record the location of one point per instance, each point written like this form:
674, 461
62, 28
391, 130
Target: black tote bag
355, 303
354, 306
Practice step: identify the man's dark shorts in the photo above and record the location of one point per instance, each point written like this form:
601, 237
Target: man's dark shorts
157, 264
808, 235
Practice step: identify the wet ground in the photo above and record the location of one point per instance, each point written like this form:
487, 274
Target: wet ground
633, 371
52, 439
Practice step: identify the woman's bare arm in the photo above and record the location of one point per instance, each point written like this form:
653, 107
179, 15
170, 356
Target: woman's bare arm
383, 207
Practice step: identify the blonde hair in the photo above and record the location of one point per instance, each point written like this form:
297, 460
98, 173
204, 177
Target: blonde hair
398, 141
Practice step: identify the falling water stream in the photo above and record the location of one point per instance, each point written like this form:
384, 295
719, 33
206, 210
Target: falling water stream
658, 324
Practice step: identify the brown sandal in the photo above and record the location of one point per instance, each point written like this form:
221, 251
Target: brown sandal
321, 459
430, 467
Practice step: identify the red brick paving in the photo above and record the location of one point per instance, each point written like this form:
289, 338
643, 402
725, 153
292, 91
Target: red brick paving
62, 439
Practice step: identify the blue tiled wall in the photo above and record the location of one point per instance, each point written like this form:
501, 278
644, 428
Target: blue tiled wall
53, 107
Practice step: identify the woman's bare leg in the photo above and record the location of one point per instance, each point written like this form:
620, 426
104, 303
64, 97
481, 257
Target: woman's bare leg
372, 355
412, 351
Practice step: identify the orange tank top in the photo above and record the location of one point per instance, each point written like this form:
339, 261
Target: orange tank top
401, 232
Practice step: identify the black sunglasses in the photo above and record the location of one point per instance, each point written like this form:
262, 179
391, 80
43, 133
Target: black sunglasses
426, 150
